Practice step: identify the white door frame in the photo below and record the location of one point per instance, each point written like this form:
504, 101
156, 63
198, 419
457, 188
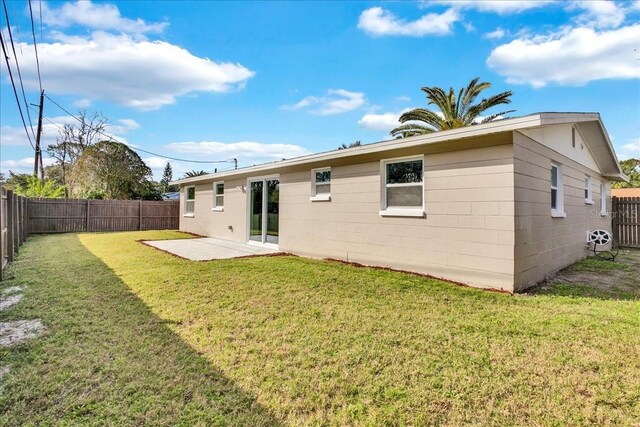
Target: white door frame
264, 180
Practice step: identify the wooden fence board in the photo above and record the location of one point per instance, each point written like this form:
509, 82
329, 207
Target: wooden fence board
626, 221
73, 215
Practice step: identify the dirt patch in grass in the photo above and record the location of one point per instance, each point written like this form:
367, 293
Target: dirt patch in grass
12, 290
596, 278
10, 301
17, 331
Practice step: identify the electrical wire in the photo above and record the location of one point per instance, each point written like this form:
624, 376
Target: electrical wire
35, 45
15, 91
40, 2
132, 147
15, 59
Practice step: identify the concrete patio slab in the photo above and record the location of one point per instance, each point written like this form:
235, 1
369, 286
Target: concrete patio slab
209, 248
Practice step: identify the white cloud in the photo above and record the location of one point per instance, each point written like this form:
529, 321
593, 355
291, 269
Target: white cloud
336, 101
384, 122
571, 57
496, 34
23, 165
51, 126
117, 68
630, 150
377, 21
247, 152
501, 7
598, 13
403, 98
82, 103
101, 16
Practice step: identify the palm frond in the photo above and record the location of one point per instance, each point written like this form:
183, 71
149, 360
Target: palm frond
411, 129
456, 110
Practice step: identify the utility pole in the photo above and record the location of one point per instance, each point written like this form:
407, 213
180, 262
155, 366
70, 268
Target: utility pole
235, 163
38, 159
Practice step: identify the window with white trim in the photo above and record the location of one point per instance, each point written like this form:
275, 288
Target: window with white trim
402, 187
218, 196
588, 196
603, 199
320, 185
190, 200
557, 192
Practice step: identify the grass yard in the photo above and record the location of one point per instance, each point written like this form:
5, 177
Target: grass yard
135, 336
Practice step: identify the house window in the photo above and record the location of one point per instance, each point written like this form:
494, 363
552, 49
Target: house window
190, 201
557, 193
603, 199
588, 196
218, 196
402, 187
320, 185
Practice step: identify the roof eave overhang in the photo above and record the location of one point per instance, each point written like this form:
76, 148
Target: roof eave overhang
500, 126
613, 170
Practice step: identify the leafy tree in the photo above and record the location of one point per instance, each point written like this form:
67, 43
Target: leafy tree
353, 144
16, 179
193, 173
631, 168
35, 188
167, 177
455, 111
2, 178
111, 169
74, 138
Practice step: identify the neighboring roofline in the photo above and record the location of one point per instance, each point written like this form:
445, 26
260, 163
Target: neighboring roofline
498, 126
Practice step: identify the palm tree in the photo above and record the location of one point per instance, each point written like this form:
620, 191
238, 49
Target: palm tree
353, 144
454, 112
193, 173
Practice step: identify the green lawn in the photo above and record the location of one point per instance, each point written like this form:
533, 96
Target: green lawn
135, 336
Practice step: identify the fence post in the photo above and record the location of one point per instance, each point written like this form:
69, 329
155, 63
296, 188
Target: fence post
3, 221
26, 218
16, 224
140, 215
87, 224
10, 225
614, 220
21, 220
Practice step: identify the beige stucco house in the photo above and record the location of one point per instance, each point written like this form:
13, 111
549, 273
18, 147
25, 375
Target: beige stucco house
498, 205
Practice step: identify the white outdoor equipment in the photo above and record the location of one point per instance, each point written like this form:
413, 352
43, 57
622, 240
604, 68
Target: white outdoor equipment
604, 245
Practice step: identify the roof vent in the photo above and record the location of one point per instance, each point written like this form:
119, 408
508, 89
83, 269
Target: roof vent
573, 137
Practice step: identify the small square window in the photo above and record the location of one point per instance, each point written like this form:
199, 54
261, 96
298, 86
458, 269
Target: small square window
402, 187
321, 185
218, 196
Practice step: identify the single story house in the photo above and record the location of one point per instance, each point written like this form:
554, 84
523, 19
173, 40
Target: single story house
498, 205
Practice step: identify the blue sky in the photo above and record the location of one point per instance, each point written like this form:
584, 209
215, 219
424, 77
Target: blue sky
262, 81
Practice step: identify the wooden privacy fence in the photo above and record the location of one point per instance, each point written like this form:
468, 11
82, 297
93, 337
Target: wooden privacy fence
74, 215
626, 221
13, 225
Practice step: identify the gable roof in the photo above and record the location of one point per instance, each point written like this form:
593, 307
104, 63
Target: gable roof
589, 124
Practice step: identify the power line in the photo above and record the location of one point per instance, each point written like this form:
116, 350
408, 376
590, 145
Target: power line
35, 45
15, 91
15, 58
40, 3
235, 161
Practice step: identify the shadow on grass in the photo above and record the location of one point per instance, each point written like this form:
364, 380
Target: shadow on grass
105, 357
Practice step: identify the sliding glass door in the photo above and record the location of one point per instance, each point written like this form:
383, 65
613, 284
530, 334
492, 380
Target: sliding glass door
264, 207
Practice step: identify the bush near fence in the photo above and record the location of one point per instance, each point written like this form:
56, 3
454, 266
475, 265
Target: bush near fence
20, 217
